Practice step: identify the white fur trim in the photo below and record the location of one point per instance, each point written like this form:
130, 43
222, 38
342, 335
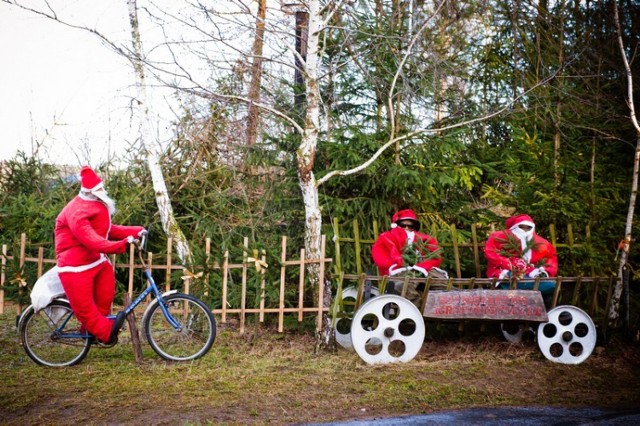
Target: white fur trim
87, 196
98, 186
524, 222
83, 268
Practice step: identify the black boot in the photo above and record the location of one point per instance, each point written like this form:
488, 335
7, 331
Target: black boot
115, 328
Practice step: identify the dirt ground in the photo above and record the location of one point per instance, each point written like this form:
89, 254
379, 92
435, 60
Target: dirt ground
262, 377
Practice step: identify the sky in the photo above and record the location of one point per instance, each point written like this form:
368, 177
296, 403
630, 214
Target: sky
62, 87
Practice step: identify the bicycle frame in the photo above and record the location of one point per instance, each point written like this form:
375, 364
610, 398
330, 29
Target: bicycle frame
152, 288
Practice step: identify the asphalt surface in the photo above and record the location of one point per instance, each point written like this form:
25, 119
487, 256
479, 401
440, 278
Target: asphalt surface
521, 416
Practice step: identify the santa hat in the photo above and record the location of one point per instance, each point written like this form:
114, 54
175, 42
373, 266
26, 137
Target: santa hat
522, 219
407, 214
89, 180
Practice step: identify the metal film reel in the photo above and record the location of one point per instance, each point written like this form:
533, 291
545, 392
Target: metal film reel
342, 326
513, 332
387, 329
569, 337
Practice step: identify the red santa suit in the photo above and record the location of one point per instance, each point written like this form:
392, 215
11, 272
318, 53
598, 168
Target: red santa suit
389, 246
83, 235
534, 256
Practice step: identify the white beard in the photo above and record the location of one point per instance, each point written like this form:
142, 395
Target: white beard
525, 238
101, 195
411, 235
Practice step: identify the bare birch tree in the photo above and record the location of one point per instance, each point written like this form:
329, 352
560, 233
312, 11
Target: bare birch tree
165, 209
151, 150
615, 302
306, 156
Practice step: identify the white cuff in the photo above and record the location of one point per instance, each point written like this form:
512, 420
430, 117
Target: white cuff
421, 270
397, 271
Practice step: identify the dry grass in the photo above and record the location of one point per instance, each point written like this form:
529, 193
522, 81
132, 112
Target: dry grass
264, 377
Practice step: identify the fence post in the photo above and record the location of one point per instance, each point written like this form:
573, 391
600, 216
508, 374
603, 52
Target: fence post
3, 277
336, 241
23, 249
243, 290
263, 283
150, 266
131, 268
356, 239
283, 260
456, 250
40, 261
207, 253
552, 234
476, 253
225, 279
167, 284
301, 284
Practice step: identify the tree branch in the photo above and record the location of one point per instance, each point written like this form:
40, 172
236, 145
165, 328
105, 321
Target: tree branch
410, 135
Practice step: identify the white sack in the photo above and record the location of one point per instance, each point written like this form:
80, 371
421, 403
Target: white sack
47, 288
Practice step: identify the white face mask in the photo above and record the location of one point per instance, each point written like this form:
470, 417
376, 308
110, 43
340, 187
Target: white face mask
525, 237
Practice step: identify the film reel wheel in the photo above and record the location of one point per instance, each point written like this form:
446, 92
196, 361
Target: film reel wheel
387, 329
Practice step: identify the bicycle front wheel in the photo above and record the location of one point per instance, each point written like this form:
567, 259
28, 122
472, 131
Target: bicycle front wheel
52, 336
195, 335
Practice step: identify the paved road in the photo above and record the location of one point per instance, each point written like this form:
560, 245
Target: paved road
512, 416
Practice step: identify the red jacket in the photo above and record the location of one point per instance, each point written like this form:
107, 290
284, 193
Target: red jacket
542, 254
389, 246
84, 231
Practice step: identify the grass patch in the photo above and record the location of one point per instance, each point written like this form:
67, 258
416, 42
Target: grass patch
265, 377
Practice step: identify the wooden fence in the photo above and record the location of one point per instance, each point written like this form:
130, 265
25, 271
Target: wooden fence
245, 267
587, 289
293, 295
452, 245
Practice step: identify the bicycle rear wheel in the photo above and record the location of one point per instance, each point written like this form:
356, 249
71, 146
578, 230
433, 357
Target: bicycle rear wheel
52, 336
197, 328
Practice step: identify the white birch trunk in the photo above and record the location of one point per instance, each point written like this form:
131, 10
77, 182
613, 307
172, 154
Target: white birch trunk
614, 312
169, 223
305, 160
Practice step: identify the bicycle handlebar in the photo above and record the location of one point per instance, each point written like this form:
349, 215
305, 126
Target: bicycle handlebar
141, 244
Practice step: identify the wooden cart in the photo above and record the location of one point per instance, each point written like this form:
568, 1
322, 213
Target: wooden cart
384, 328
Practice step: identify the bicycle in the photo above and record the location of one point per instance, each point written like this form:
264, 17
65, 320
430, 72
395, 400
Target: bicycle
177, 326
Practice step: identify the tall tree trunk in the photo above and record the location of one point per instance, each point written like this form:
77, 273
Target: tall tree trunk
253, 115
517, 44
615, 302
558, 117
169, 223
396, 31
592, 175
305, 157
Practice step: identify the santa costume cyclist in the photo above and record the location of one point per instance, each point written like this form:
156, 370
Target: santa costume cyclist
84, 235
